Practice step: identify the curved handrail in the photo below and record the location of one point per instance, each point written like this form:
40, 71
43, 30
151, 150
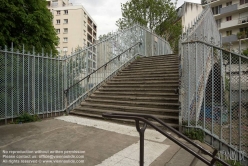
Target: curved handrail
66, 90
142, 117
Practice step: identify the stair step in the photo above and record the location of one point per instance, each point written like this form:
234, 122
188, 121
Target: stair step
141, 86
127, 98
151, 67
125, 121
154, 63
148, 70
137, 90
136, 103
101, 111
147, 74
140, 79
172, 112
147, 82
136, 94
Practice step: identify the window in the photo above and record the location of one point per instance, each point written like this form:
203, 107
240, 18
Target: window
65, 49
65, 21
84, 23
65, 39
58, 21
216, 9
85, 15
228, 18
58, 31
229, 3
228, 33
65, 30
65, 11
84, 32
243, 2
58, 12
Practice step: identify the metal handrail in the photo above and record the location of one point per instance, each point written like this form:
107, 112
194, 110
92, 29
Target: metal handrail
66, 90
219, 48
144, 118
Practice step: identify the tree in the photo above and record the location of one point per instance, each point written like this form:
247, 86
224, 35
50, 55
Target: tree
159, 16
27, 22
105, 36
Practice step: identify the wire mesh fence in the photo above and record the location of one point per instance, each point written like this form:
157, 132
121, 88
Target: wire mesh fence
35, 83
214, 85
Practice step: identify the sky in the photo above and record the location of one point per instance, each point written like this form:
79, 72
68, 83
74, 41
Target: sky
106, 12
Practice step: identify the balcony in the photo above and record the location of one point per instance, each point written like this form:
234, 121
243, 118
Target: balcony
229, 8
243, 20
229, 24
242, 35
229, 39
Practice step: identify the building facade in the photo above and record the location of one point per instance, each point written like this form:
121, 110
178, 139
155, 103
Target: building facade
187, 13
232, 20
74, 26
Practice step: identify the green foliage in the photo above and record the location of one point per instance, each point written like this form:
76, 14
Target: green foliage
24, 118
230, 162
245, 52
158, 15
27, 22
103, 37
195, 134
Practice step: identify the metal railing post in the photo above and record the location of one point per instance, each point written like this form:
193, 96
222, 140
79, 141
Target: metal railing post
66, 101
142, 138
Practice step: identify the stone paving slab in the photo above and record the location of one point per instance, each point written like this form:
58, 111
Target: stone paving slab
103, 142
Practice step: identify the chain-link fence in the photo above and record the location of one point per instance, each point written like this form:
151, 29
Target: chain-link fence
35, 84
214, 86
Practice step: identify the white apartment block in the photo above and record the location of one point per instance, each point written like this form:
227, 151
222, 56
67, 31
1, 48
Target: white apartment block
74, 26
187, 13
232, 20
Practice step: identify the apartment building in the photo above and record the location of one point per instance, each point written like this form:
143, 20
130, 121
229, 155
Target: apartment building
187, 12
232, 20
74, 26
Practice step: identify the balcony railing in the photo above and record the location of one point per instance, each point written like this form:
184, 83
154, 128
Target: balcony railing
243, 5
229, 39
243, 20
229, 8
230, 23
54, 4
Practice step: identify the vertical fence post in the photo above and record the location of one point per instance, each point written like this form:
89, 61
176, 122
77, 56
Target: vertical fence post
239, 109
196, 84
66, 101
23, 83
87, 69
42, 85
221, 92
188, 87
38, 75
204, 77
230, 99
33, 80
212, 93
6, 87
12, 82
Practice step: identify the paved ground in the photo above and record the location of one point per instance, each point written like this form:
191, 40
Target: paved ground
69, 139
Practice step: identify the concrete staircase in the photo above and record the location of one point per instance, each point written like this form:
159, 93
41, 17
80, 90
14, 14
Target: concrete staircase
146, 86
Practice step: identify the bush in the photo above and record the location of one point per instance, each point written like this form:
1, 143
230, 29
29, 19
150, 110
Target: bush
195, 134
25, 118
230, 162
